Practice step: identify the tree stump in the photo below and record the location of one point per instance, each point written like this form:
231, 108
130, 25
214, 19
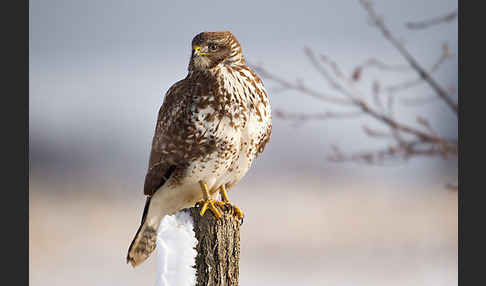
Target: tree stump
218, 247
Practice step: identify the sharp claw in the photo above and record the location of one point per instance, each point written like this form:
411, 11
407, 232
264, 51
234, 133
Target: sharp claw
221, 204
212, 208
238, 212
210, 203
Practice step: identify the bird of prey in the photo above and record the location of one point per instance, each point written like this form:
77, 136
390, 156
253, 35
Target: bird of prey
211, 126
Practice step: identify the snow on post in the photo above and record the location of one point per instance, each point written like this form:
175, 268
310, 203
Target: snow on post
176, 253
195, 250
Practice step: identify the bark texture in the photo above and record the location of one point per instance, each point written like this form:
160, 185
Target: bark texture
218, 248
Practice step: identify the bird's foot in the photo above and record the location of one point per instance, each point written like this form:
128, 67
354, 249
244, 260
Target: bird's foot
226, 202
210, 204
235, 210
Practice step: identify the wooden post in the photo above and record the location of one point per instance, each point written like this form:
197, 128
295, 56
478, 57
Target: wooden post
218, 248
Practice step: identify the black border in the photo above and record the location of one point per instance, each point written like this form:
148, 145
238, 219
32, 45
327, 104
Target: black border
15, 135
471, 53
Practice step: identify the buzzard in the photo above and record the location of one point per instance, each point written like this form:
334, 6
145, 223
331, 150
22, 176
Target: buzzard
211, 126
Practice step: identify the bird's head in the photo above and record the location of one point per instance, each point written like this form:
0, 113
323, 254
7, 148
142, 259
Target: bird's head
209, 49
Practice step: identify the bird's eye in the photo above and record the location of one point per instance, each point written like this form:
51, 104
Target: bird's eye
212, 47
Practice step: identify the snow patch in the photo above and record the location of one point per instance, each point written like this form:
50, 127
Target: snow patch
176, 254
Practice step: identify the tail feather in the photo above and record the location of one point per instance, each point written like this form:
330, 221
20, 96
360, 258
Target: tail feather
144, 242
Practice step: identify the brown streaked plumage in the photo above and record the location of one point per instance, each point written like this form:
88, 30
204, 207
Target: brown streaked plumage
211, 126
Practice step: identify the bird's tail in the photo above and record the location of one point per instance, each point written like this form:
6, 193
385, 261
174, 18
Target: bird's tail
145, 240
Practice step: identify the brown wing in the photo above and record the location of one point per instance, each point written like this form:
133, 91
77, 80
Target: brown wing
158, 174
163, 162
180, 135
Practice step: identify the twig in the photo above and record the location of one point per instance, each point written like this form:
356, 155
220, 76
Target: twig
431, 22
435, 67
405, 151
408, 140
378, 21
373, 62
357, 101
299, 86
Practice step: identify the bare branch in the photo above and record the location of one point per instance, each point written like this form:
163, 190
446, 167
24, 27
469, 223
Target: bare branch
366, 108
432, 22
392, 123
424, 99
424, 122
378, 21
376, 88
403, 151
376, 133
354, 100
325, 74
300, 87
435, 67
373, 62
334, 66
406, 140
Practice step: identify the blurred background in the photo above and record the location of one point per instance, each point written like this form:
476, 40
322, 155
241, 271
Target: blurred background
98, 73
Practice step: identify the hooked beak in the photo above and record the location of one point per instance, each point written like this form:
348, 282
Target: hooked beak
199, 52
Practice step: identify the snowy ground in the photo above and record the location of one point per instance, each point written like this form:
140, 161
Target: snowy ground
365, 235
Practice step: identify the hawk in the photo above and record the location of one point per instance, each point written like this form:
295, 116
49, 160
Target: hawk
211, 126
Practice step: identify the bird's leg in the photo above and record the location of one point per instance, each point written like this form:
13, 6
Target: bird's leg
208, 202
226, 201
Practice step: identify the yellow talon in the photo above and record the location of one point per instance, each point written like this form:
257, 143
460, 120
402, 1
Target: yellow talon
238, 212
226, 201
208, 202
220, 203
211, 206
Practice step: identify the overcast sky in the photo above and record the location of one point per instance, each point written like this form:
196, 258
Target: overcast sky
99, 69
